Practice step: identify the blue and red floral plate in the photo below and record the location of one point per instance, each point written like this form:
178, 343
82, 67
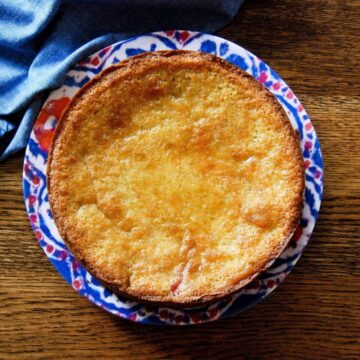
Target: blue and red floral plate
36, 197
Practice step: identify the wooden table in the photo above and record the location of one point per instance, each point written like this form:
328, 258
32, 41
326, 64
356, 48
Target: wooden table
314, 314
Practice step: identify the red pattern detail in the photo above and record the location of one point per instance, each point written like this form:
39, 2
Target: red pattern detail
271, 283
77, 284
52, 108
170, 33
290, 95
63, 254
132, 317
106, 50
27, 168
308, 145
33, 218
95, 61
300, 108
263, 77
49, 249
75, 265
276, 86
308, 126
318, 174
38, 235
306, 164
297, 234
32, 199
35, 180
184, 35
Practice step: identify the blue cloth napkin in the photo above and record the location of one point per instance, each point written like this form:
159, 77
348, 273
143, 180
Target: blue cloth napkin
41, 39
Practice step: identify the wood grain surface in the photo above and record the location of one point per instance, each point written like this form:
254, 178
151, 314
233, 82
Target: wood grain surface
314, 314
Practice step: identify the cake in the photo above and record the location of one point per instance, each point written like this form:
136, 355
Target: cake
175, 178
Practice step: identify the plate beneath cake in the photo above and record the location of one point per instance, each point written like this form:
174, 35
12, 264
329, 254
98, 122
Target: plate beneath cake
36, 197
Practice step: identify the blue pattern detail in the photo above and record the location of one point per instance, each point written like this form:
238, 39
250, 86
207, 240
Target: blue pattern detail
208, 46
238, 61
224, 48
254, 70
316, 154
132, 52
82, 68
35, 149
310, 199
166, 41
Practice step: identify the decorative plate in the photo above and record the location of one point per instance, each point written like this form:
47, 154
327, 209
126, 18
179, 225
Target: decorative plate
36, 197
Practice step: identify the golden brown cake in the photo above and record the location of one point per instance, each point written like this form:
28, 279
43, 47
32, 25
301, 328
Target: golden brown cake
175, 177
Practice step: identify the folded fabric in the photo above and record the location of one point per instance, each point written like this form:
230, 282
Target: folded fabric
41, 39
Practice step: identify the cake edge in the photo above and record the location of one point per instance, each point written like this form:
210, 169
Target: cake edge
197, 300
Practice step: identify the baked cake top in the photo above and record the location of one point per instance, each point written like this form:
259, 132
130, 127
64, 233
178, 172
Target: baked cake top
175, 177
